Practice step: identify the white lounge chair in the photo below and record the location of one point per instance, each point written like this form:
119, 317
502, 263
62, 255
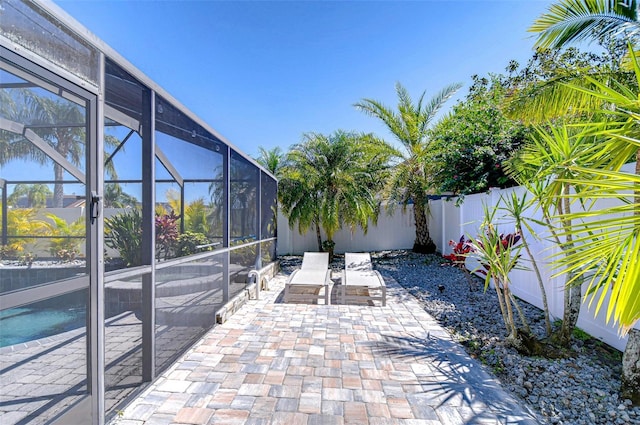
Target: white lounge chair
311, 278
359, 275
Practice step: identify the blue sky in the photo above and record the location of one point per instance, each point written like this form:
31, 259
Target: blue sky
262, 73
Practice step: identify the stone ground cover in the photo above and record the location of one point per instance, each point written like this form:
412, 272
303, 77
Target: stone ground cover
580, 389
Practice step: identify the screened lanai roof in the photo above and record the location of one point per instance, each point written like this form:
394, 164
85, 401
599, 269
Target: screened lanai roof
76, 50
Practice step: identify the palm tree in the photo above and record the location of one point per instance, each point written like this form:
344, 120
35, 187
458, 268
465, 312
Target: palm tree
271, 159
409, 180
115, 197
542, 168
331, 181
615, 266
516, 206
36, 195
608, 243
569, 21
59, 122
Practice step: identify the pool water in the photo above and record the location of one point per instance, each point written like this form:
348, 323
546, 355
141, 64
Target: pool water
23, 324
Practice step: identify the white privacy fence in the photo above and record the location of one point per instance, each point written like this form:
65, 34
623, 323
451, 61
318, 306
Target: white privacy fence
449, 222
396, 231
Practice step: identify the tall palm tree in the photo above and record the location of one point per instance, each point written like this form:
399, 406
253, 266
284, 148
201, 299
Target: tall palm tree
271, 159
45, 114
333, 180
569, 21
409, 180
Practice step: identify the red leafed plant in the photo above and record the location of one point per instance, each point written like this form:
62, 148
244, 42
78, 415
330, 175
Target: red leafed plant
166, 234
499, 254
503, 245
461, 250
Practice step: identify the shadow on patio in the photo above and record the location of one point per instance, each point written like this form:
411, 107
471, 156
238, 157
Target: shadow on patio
275, 363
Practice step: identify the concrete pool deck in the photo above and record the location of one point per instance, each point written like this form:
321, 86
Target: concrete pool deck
276, 363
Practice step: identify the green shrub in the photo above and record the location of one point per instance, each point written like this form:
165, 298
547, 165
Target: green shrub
22, 221
124, 234
188, 241
71, 235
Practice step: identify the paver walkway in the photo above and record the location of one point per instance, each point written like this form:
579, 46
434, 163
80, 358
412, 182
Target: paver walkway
276, 363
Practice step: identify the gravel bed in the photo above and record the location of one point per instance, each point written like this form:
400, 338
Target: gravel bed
581, 389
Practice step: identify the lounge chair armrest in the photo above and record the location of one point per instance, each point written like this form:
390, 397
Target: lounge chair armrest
292, 275
382, 283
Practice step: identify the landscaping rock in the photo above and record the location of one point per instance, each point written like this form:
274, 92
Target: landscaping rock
582, 389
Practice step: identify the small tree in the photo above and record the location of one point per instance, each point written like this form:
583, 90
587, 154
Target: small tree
498, 254
515, 206
469, 146
331, 181
542, 168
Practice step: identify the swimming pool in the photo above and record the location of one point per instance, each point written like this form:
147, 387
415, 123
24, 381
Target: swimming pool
24, 324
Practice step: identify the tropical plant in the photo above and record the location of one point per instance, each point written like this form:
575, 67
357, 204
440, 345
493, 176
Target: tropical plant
271, 159
458, 257
123, 232
331, 181
569, 21
460, 250
68, 237
166, 234
188, 243
538, 92
22, 229
196, 217
35, 194
470, 145
618, 270
409, 179
542, 168
498, 255
516, 206
613, 232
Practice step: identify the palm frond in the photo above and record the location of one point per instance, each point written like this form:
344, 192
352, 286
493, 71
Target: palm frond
571, 21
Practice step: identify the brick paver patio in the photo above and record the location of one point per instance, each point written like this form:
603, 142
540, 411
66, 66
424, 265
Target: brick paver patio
276, 363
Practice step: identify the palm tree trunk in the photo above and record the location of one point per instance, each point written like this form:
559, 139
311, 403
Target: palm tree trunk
534, 263
572, 291
318, 236
523, 318
630, 387
501, 303
423, 243
58, 190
